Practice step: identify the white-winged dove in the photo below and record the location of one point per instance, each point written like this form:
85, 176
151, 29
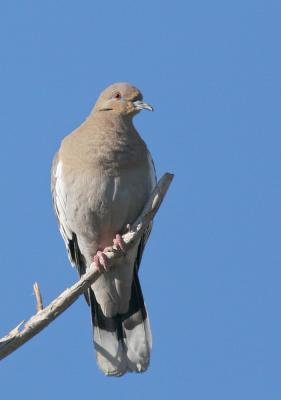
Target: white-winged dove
102, 176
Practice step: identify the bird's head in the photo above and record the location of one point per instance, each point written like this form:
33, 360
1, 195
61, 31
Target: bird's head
121, 98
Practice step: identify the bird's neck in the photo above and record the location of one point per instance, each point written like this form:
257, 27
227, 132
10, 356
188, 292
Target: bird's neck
112, 120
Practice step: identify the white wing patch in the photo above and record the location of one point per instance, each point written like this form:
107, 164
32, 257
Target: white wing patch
59, 197
58, 172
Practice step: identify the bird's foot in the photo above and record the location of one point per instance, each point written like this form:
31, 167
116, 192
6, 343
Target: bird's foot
101, 261
119, 243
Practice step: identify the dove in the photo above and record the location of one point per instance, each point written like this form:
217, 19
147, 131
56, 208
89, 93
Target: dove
102, 176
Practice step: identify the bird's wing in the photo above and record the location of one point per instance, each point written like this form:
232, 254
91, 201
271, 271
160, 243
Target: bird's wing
146, 234
59, 204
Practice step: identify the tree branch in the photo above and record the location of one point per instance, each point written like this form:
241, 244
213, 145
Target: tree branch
18, 336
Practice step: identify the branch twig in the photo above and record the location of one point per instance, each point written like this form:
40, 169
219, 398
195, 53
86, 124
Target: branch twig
17, 337
38, 297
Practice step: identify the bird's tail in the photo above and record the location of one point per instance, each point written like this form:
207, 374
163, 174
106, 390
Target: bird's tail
123, 342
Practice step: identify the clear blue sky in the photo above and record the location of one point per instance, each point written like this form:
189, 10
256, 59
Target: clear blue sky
211, 272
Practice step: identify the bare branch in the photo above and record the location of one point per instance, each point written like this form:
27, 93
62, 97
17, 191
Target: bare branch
38, 297
16, 337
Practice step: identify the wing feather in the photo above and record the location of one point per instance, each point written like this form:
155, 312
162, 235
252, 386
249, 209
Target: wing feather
146, 234
59, 204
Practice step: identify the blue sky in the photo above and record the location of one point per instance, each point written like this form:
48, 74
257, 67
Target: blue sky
211, 272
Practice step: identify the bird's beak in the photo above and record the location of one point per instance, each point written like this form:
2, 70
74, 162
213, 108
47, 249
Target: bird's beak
140, 105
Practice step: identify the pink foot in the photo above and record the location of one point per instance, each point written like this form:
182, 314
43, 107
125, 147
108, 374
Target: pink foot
101, 261
119, 243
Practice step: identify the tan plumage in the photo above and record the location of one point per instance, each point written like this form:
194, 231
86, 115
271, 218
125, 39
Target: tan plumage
101, 179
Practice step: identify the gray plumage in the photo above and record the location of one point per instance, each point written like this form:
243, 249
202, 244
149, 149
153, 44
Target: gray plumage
102, 176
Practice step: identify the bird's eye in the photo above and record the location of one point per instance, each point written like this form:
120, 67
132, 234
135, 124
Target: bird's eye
117, 96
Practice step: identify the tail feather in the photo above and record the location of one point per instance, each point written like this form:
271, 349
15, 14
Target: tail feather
123, 342
136, 331
107, 341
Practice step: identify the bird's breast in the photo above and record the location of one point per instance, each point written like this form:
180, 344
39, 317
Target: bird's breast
110, 150
100, 204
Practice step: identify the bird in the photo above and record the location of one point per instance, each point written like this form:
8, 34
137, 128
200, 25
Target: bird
101, 178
